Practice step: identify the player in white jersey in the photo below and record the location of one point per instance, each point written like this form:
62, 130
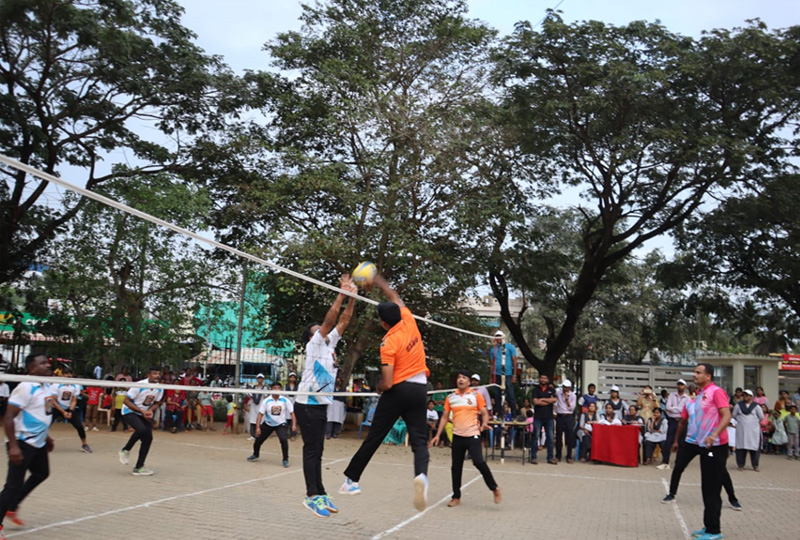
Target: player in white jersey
28, 439
66, 399
319, 375
137, 409
273, 413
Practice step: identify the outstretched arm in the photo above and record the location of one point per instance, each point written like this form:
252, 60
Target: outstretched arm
333, 313
344, 319
387, 290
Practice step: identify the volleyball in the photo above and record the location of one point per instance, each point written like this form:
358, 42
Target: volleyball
364, 273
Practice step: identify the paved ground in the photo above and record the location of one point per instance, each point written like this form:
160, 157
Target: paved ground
204, 489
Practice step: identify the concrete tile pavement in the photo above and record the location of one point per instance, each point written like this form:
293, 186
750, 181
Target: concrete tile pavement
205, 489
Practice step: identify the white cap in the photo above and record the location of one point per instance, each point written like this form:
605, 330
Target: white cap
615, 388
499, 334
260, 376
681, 381
567, 383
748, 392
476, 377
292, 373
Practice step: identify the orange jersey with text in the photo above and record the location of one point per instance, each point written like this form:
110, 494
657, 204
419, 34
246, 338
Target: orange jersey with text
402, 348
465, 408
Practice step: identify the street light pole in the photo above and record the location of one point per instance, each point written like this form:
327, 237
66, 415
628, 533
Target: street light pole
238, 369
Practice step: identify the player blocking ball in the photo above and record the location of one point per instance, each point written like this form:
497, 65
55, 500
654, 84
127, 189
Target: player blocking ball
364, 274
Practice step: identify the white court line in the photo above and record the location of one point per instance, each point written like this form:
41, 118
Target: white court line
678, 513
159, 501
418, 515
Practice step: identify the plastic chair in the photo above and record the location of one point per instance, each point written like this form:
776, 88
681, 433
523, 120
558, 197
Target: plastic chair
368, 421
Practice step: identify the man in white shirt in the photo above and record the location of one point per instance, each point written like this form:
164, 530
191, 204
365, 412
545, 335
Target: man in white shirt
138, 408
566, 400
66, 399
273, 414
4, 393
28, 438
675, 404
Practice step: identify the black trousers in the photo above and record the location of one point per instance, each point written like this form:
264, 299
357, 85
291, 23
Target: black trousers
565, 428
686, 453
672, 429
406, 400
117, 417
266, 431
17, 488
712, 475
741, 457
650, 447
460, 447
143, 431
75, 421
312, 420
496, 394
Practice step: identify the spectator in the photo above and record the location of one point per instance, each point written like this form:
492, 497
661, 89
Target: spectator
206, 411
778, 429
675, 404
796, 398
792, 423
662, 401
119, 399
474, 381
438, 398
432, 418
646, 402
765, 427
176, 402
98, 372
610, 417
618, 404
231, 411
251, 405
336, 412
655, 435
632, 417
783, 403
503, 358
124, 375
4, 393
93, 394
589, 397
737, 396
565, 419
292, 386
748, 415
760, 398
544, 396
526, 406
588, 419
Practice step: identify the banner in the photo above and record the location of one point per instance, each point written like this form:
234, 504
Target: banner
791, 362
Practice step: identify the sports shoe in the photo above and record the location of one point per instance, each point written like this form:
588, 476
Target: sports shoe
86, 449
664, 467
317, 506
285, 463
252, 458
708, 536
700, 532
124, 457
95, 428
736, 505
141, 471
14, 518
669, 499
250, 439
421, 491
329, 504
349, 488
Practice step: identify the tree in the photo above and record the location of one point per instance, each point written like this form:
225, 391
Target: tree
130, 288
371, 137
645, 124
80, 79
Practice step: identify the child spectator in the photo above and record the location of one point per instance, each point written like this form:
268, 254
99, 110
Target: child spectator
93, 394
206, 411
779, 437
432, 418
792, 424
119, 398
231, 412
176, 401
588, 398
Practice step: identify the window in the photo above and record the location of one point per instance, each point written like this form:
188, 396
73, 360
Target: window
752, 377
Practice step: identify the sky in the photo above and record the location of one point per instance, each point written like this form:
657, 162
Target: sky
238, 29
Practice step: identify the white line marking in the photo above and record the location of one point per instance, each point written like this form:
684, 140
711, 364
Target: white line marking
159, 501
420, 514
678, 513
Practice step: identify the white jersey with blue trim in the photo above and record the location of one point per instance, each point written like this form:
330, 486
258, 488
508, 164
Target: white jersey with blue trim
319, 371
142, 397
36, 412
64, 393
276, 411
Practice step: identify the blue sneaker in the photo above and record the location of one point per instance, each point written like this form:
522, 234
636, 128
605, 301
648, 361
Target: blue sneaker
329, 504
349, 488
701, 532
317, 506
709, 536
421, 491
285, 463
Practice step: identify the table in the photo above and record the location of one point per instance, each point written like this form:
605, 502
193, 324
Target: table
616, 444
522, 426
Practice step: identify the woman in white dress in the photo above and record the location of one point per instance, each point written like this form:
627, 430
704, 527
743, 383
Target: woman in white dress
748, 415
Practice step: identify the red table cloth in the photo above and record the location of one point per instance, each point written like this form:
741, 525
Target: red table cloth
616, 444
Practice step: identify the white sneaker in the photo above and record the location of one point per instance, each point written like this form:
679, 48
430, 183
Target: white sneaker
142, 472
95, 428
250, 439
421, 491
663, 467
349, 488
124, 457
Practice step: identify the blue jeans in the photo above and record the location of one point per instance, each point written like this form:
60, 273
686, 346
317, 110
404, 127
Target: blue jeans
548, 435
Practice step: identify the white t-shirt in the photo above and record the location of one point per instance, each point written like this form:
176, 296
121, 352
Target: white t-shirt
31, 425
142, 397
252, 414
64, 393
319, 371
4, 391
432, 416
276, 411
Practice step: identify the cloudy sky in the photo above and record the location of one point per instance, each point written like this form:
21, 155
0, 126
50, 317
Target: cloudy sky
238, 29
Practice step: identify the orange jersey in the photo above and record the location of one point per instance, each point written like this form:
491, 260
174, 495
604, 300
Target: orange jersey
465, 408
402, 348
